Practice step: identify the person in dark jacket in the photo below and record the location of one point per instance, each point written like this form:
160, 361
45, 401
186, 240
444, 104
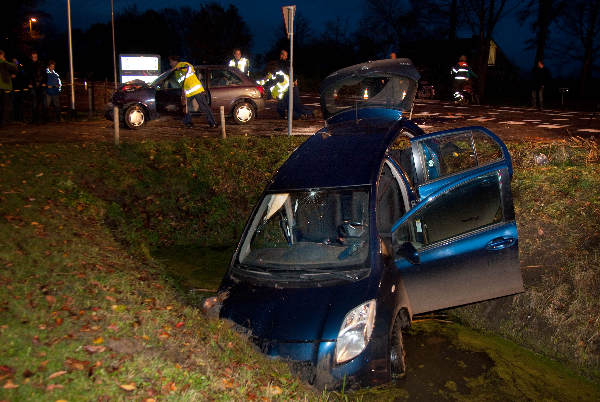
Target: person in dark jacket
53, 87
35, 77
7, 72
540, 77
18, 94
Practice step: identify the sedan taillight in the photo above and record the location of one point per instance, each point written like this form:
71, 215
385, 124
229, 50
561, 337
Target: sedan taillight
261, 90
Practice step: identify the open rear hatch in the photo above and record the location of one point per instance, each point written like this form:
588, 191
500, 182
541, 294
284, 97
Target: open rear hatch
388, 84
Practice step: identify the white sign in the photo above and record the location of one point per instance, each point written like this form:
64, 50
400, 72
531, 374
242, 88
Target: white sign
144, 67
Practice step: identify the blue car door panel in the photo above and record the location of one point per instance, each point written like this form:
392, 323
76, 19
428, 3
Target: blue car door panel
462, 229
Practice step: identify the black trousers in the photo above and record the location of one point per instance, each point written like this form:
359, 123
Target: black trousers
202, 106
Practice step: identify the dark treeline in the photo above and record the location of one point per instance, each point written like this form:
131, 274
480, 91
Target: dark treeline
433, 33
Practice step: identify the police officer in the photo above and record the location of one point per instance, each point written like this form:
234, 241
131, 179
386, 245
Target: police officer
192, 89
239, 62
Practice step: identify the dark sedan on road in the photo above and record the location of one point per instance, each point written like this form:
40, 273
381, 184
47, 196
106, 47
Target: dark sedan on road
139, 102
368, 223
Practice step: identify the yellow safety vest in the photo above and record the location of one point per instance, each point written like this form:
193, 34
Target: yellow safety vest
184, 72
279, 89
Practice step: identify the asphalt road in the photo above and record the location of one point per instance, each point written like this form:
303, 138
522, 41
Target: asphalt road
510, 123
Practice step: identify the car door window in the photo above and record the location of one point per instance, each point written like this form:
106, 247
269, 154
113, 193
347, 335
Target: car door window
169, 82
401, 152
446, 155
463, 209
390, 204
223, 78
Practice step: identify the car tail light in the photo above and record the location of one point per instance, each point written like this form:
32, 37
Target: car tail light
261, 90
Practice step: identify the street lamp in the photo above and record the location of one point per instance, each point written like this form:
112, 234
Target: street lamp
31, 20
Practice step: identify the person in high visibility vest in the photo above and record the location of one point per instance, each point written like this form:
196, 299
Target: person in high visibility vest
239, 62
192, 89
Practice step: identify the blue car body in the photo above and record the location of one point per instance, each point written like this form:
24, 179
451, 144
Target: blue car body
424, 222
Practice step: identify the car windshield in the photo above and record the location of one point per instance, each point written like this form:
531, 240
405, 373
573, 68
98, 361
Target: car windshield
321, 228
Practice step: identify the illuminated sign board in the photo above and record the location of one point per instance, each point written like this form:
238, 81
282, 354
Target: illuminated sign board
145, 67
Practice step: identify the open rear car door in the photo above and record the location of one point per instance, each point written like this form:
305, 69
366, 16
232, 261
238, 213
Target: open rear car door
458, 244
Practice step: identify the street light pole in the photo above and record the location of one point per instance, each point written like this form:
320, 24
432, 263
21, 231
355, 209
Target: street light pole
71, 58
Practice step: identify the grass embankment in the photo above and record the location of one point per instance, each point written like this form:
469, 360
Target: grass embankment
84, 317
80, 295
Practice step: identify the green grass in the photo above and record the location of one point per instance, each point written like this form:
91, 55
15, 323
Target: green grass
78, 223
81, 314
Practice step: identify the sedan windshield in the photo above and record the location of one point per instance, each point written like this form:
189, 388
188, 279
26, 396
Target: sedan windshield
307, 230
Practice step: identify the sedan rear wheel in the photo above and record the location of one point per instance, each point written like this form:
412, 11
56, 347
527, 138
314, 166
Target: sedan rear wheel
134, 117
243, 113
397, 353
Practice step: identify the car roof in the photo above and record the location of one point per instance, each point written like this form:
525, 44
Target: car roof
348, 153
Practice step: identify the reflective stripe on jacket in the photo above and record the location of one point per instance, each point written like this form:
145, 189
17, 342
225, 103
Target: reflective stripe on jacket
184, 72
53, 83
242, 64
283, 84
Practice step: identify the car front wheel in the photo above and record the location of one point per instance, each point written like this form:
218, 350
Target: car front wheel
397, 353
134, 117
243, 113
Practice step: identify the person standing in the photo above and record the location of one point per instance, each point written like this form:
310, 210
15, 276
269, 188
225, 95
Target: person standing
53, 88
7, 72
192, 89
18, 95
541, 76
35, 80
282, 89
239, 62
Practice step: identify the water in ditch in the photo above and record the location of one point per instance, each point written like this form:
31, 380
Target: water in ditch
445, 360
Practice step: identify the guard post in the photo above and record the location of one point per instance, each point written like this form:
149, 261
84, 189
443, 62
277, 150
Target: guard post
288, 19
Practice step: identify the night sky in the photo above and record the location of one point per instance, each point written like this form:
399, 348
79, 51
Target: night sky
264, 19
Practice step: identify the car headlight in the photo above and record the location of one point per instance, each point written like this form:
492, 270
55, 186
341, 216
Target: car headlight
355, 332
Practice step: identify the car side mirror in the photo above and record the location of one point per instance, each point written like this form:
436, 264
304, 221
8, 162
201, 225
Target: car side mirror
408, 251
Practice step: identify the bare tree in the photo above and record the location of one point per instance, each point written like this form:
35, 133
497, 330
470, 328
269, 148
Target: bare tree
483, 17
544, 13
581, 21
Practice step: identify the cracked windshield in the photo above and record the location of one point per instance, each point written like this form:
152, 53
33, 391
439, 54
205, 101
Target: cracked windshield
314, 228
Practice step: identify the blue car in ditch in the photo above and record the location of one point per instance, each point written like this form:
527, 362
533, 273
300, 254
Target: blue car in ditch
370, 222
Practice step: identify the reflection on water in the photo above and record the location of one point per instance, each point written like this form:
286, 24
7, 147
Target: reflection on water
447, 361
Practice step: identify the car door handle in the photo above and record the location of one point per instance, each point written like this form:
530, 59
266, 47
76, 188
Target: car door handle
500, 243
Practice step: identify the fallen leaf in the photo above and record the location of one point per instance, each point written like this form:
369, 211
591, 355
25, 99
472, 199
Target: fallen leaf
10, 385
169, 387
57, 374
7, 370
227, 383
179, 324
91, 349
50, 299
58, 321
128, 387
74, 364
113, 327
163, 335
51, 387
98, 340
110, 298
27, 373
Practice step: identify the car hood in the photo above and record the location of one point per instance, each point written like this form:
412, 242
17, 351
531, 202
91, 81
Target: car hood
292, 315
